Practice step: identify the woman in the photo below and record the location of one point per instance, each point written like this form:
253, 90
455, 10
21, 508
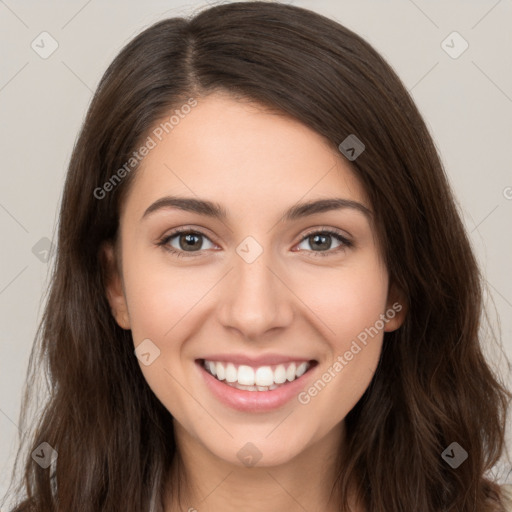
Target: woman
319, 349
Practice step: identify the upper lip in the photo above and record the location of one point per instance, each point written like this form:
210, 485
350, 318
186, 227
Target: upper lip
255, 361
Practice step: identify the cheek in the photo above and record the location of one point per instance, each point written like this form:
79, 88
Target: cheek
347, 300
160, 305
160, 299
351, 309
353, 348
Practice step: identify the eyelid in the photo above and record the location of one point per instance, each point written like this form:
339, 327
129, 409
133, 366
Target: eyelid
346, 241
327, 229
187, 229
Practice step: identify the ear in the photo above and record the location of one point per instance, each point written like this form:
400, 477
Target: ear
114, 288
396, 308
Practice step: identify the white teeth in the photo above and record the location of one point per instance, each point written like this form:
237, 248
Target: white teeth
221, 372
280, 374
245, 375
301, 369
231, 373
290, 372
252, 388
263, 378
212, 367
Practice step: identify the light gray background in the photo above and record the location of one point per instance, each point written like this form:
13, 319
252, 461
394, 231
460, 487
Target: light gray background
466, 102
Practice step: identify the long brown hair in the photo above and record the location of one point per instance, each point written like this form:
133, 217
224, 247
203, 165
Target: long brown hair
432, 386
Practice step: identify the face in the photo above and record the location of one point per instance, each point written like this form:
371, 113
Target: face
285, 304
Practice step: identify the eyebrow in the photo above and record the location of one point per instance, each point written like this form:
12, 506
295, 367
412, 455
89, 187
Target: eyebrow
217, 211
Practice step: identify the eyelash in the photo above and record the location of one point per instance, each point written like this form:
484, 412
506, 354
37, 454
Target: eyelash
180, 254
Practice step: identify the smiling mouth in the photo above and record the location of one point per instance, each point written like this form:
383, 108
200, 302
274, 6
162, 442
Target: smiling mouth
261, 378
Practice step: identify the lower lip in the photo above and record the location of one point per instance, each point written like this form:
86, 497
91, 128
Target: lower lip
254, 401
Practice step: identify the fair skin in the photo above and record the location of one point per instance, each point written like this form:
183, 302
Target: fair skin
288, 301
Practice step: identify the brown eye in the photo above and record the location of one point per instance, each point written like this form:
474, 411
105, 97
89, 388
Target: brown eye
321, 242
184, 241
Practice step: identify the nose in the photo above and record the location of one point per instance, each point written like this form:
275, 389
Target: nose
255, 297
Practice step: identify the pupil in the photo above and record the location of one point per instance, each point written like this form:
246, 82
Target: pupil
324, 237
188, 238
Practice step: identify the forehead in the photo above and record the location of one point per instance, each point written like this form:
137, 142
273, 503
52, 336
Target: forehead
243, 156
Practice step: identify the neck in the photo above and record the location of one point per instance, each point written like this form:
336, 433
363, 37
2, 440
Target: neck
202, 482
